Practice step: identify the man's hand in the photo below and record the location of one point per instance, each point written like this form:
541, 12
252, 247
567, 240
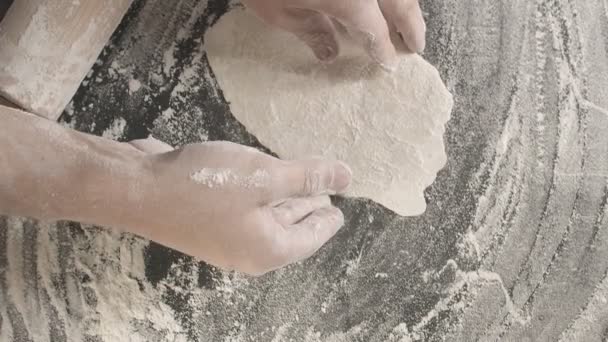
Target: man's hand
370, 21
238, 208
226, 204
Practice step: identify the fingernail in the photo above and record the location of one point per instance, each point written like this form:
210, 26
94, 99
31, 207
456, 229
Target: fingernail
338, 215
343, 176
416, 40
420, 41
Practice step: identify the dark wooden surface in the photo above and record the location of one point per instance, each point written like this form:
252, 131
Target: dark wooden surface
514, 245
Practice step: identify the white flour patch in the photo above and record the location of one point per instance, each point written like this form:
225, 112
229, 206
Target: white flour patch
258, 179
169, 60
219, 177
116, 130
112, 300
587, 325
134, 85
213, 177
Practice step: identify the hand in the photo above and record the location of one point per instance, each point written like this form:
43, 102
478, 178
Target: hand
369, 20
226, 204
237, 208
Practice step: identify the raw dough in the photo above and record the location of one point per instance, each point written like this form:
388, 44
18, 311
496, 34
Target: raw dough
387, 126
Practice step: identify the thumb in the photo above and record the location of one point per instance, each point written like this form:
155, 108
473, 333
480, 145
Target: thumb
310, 178
315, 29
365, 23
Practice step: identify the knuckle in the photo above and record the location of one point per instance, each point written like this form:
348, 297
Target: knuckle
301, 206
273, 18
312, 181
288, 206
280, 215
315, 228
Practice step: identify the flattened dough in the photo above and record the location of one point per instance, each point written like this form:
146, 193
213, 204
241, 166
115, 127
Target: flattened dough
387, 126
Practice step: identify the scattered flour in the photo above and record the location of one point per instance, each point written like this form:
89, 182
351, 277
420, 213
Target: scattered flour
400, 334
111, 299
116, 129
169, 60
134, 85
118, 283
590, 323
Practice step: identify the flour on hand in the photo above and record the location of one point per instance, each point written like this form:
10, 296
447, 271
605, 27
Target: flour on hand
218, 178
387, 126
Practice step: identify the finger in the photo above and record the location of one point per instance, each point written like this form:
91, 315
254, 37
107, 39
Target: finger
151, 145
314, 29
294, 210
406, 17
364, 20
309, 235
310, 178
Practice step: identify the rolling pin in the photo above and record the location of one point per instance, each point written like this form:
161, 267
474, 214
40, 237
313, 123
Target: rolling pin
48, 46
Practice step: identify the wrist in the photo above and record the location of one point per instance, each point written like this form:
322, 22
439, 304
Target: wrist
111, 180
50, 172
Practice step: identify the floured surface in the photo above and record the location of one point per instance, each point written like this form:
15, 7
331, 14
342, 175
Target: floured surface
513, 245
387, 126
